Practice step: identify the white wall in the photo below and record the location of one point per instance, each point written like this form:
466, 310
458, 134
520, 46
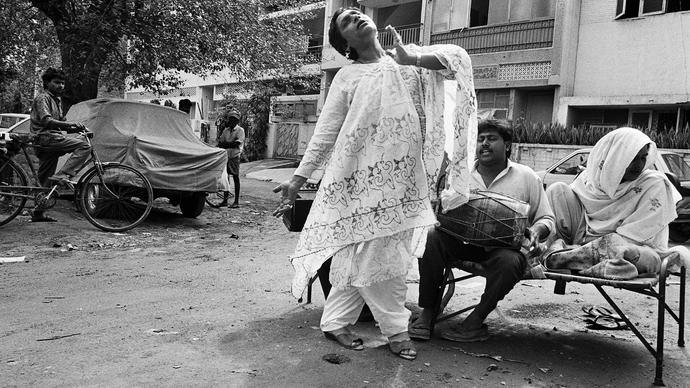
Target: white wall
643, 56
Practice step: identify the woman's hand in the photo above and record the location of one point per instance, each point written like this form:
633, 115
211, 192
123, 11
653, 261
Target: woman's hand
399, 53
288, 194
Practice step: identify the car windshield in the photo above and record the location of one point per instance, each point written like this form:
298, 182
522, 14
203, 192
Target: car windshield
677, 166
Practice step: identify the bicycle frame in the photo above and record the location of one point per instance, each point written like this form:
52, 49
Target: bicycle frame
30, 190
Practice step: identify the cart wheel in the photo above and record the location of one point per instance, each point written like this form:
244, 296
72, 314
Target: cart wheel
193, 205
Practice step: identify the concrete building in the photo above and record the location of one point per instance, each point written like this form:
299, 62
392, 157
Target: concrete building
576, 62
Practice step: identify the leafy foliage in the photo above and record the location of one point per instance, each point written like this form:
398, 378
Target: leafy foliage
554, 133
26, 43
150, 43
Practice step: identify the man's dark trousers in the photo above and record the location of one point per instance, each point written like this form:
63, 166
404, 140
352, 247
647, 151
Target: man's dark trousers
504, 269
54, 146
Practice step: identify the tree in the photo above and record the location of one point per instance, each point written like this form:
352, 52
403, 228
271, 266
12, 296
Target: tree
149, 42
26, 43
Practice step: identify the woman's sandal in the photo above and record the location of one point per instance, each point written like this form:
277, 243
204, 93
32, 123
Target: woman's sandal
345, 338
403, 349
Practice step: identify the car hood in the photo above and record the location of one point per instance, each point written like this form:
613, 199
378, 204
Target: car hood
156, 140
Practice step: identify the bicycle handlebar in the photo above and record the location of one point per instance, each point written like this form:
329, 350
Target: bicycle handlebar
26, 137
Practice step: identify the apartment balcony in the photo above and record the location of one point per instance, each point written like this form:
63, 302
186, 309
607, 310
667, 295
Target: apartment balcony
409, 34
504, 37
312, 55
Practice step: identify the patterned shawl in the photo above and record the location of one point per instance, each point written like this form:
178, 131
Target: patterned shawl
381, 138
639, 210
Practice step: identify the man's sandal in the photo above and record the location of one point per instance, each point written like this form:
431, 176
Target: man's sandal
403, 349
419, 331
459, 334
345, 338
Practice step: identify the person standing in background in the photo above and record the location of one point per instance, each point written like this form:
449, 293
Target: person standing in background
232, 139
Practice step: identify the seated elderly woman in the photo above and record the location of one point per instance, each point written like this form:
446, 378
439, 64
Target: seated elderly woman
618, 209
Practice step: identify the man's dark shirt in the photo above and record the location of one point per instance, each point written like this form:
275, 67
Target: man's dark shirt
45, 105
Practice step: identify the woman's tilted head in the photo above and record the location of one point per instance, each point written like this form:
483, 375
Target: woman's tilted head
350, 28
336, 39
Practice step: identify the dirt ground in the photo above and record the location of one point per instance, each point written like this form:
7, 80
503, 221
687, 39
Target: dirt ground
206, 302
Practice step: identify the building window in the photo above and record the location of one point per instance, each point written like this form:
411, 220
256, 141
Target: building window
479, 13
499, 98
493, 103
633, 8
677, 5
641, 119
489, 12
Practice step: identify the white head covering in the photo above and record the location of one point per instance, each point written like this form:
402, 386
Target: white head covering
641, 209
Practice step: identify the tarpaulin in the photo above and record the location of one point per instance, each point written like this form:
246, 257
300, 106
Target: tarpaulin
156, 140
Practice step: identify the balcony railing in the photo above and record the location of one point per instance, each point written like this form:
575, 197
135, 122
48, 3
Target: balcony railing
504, 37
312, 55
409, 34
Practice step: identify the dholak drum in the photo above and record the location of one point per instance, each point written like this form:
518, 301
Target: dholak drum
488, 219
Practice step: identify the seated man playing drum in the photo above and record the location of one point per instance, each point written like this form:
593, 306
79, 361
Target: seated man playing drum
493, 172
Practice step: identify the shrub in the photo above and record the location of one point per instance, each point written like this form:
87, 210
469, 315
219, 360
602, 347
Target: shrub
555, 133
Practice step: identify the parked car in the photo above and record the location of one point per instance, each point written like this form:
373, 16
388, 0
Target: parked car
567, 168
159, 142
14, 122
670, 163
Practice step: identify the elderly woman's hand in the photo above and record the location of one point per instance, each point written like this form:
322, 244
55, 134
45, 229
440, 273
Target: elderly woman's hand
288, 194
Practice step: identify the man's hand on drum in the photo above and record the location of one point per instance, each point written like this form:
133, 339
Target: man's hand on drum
534, 234
288, 194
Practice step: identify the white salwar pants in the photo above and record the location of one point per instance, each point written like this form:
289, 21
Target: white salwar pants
386, 300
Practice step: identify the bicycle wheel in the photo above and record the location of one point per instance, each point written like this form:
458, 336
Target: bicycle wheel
11, 202
216, 199
115, 199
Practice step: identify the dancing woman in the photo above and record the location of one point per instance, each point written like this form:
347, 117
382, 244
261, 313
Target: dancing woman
380, 139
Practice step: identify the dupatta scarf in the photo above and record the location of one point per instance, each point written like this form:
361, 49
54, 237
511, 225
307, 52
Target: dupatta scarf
639, 210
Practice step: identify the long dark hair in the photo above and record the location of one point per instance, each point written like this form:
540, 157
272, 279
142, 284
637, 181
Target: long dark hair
336, 39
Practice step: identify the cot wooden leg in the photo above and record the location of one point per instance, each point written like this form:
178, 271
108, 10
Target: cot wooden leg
442, 300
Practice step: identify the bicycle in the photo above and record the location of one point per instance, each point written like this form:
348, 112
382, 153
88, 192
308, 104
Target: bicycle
217, 199
111, 196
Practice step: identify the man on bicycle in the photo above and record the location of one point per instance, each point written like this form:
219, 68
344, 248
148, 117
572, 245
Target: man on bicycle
47, 123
